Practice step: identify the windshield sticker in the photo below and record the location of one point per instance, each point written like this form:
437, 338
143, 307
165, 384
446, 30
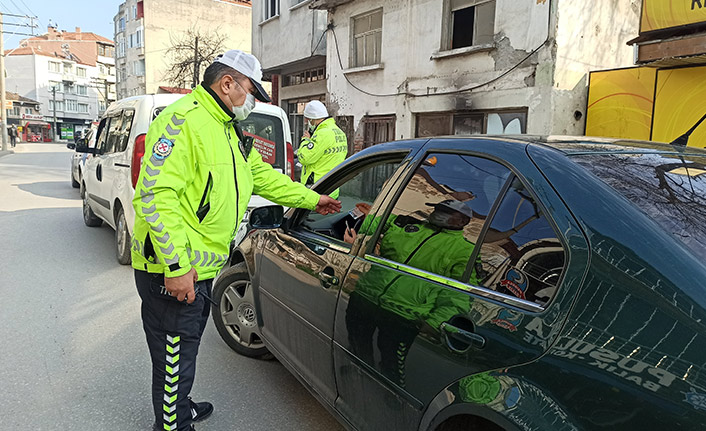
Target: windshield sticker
515, 282
696, 399
508, 319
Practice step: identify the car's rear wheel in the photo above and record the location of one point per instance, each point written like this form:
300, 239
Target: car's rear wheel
122, 239
89, 217
235, 316
75, 184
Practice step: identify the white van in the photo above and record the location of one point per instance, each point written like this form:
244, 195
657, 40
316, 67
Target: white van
109, 178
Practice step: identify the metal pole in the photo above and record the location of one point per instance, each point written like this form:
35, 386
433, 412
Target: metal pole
2, 88
53, 93
195, 82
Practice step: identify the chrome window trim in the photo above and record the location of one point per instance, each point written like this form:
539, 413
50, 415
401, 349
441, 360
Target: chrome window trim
318, 240
480, 291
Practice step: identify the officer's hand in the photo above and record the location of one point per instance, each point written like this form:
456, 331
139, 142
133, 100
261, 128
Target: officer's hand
306, 134
183, 286
328, 205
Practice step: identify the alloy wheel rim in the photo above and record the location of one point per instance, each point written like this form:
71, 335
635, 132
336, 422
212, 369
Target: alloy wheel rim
239, 315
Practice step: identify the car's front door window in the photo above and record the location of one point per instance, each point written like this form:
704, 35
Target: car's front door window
357, 194
436, 222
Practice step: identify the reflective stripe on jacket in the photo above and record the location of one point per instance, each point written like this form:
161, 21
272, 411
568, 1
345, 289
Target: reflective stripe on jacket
188, 199
325, 150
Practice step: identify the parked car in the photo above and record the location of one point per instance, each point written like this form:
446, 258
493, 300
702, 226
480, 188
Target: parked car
109, 178
494, 283
78, 160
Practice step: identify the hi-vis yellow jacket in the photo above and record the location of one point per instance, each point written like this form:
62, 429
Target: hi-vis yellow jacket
325, 150
194, 187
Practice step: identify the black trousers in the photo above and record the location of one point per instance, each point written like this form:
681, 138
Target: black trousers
173, 331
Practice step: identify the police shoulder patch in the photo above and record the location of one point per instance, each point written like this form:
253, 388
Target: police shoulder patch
162, 148
410, 228
310, 145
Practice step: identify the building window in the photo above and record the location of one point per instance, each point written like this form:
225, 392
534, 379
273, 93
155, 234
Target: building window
310, 75
101, 50
101, 69
81, 72
134, 11
101, 105
83, 108
58, 85
138, 38
16, 111
367, 39
59, 105
271, 9
27, 111
81, 90
469, 23
71, 105
138, 68
471, 123
378, 129
54, 67
121, 25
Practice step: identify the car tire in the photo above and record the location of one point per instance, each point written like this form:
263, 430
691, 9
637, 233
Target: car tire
75, 184
235, 316
122, 239
89, 217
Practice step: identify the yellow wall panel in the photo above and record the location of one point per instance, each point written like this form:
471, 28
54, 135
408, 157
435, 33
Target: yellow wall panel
679, 103
659, 14
620, 103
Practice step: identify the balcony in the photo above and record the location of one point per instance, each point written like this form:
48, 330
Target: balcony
68, 77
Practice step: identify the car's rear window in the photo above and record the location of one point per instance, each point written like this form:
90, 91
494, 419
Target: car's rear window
268, 136
670, 189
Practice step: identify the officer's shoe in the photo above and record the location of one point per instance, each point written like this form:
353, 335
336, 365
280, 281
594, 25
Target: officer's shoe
200, 411
156, 427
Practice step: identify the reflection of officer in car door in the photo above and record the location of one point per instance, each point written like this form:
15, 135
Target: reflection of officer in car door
324, 145
398, 306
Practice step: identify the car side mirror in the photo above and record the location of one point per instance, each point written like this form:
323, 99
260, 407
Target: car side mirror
71, 146
82, 147
269, 217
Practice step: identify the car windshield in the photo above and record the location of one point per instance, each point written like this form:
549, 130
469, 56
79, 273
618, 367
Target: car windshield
670, 189
268, 137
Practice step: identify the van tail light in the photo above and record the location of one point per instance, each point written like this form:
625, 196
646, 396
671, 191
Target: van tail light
290, 160
138, 151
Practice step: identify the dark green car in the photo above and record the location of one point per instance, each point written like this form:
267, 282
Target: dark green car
488, 283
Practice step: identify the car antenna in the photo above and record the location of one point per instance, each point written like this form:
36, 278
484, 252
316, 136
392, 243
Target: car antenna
683, 140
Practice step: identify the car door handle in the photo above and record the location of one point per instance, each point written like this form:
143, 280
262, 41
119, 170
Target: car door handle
460, 339
99, 172
328, 280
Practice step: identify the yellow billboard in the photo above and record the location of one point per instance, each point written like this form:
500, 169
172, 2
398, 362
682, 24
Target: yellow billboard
680, 101
620, 103
659, 14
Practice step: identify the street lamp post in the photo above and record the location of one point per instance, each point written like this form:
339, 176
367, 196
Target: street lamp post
53, 96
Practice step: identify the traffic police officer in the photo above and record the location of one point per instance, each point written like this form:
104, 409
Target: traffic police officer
197, 176
323, 145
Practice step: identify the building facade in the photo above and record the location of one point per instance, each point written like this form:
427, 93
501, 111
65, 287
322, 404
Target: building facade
289, 40
146, 32
663, 95
70, 74
398, 69
24, 113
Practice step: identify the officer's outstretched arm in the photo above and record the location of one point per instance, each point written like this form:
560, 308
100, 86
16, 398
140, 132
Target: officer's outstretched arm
278, 187
311, 149
168, 166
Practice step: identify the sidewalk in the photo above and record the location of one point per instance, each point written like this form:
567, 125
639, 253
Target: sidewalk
5, 153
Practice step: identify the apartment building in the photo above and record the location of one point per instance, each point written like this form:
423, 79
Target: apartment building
70, 74
398, 69
146, 30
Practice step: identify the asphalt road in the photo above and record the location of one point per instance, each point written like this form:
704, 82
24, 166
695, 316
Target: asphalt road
73, 354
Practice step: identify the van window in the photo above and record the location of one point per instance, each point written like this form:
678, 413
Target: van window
125, 127
268, 137
113, 135
102, 140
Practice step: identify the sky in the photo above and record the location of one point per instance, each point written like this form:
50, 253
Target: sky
91, 15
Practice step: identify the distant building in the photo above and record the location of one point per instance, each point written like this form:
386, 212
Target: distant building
78, 66
145, 30
24, 113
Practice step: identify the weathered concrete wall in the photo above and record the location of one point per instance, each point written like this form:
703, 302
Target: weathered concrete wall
412, 36
590, 36
290, 37
165, 17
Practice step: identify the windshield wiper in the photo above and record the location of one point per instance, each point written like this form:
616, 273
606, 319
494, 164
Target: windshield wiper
683, 140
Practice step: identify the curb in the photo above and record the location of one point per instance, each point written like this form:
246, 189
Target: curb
5, 153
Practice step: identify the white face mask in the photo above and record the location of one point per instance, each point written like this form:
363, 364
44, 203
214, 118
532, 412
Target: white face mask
311, 126
242, 112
